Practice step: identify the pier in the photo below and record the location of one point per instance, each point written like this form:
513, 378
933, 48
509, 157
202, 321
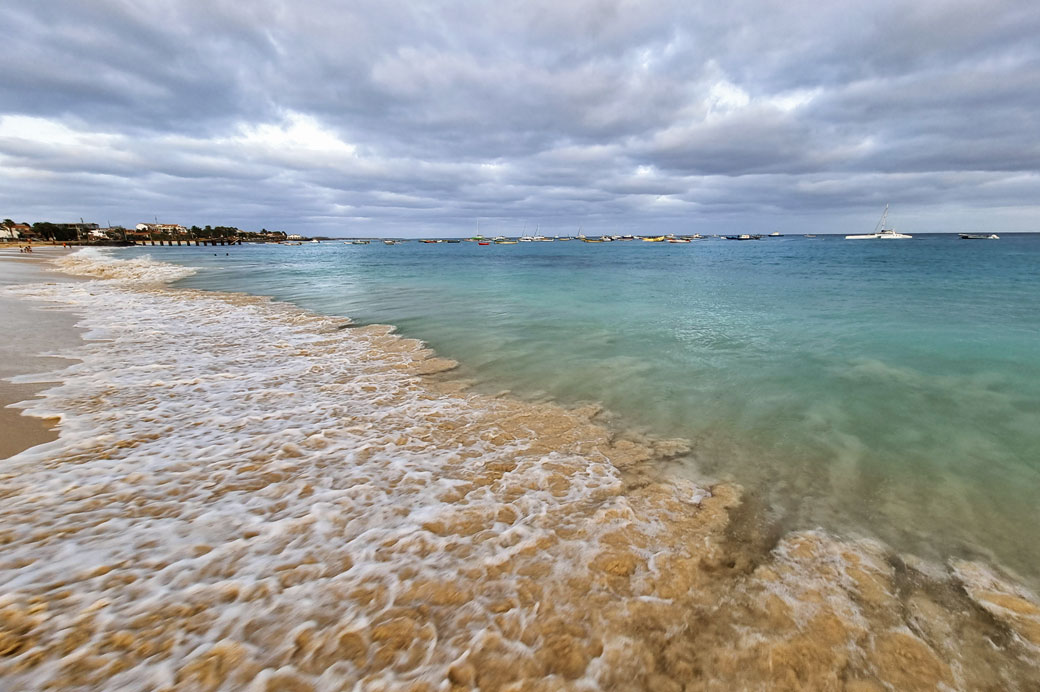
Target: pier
200, 241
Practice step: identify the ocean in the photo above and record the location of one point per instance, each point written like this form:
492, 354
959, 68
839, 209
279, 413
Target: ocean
781, 464
880, 389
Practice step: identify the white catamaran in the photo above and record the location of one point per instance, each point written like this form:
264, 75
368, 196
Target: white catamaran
879, 231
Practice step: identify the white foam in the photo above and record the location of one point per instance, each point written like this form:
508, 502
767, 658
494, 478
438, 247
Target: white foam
251, 462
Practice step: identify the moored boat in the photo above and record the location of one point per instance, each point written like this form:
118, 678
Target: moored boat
880, 232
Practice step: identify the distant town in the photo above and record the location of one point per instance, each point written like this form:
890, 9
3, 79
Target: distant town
92, 233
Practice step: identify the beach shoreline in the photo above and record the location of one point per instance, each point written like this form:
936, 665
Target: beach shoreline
30, 331
337, 517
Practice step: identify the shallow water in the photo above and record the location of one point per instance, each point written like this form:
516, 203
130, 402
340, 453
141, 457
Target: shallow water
247, 495
879, 389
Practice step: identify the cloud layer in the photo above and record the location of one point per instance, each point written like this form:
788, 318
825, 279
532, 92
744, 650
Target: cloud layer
371, 118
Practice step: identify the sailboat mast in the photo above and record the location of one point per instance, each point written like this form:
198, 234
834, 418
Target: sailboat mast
881, 223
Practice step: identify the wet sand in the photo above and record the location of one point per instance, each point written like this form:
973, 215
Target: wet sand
29, 329
328, 516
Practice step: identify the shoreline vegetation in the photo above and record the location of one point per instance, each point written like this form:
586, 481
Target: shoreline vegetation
353, 515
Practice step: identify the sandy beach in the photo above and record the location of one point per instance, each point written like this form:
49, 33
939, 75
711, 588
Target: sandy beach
28, 331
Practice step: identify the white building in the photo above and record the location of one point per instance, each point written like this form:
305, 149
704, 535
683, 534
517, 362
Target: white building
171, 228
14, 232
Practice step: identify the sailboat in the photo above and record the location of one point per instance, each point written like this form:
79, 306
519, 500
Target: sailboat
880, 232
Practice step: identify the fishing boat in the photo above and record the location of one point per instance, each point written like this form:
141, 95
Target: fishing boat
979, 236
390, 242
359, 242
776, 234
880, 232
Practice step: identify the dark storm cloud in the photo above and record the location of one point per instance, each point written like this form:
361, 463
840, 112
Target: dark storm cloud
424, 117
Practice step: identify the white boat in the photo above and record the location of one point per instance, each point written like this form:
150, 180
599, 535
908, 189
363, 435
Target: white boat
880, 232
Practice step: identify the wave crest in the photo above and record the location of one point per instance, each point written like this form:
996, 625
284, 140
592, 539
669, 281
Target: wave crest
101, 264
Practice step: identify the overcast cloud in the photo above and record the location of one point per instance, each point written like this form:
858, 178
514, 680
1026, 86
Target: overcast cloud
383, 118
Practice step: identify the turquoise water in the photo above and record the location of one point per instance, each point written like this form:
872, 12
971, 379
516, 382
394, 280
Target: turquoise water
889, 389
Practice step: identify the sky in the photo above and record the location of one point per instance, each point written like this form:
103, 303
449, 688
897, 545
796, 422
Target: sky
384, 118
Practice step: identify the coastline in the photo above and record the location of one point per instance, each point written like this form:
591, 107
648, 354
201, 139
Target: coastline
30, 331
340, 512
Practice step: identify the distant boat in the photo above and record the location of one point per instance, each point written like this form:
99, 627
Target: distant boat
315, 241
483, 242
979, 236
776, 234
356, 242
880, 232
390, 242
809, 235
